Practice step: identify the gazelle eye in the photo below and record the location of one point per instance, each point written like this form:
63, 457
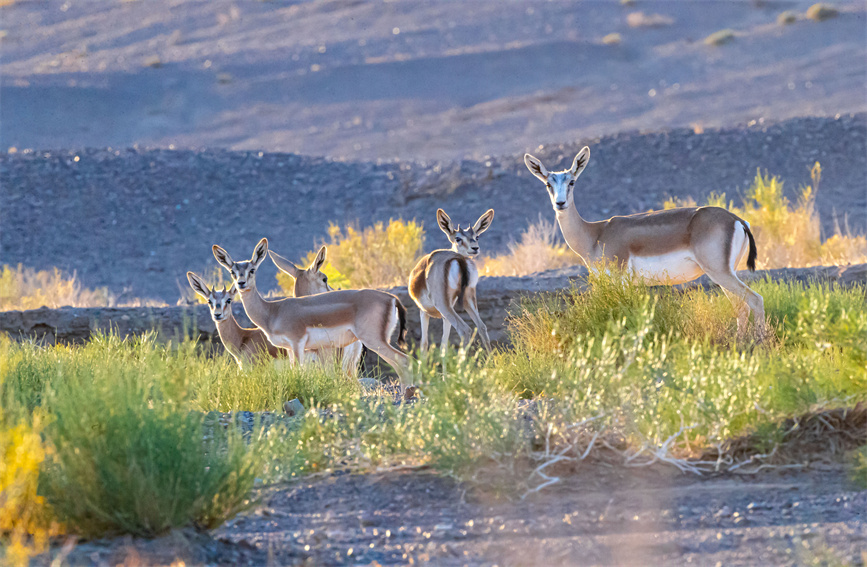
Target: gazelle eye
228, 301
252, 271
325, 279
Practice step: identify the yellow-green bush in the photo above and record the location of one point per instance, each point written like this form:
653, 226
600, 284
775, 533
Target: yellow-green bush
788, 235
26, 521
377, 256
25, 288
537, 250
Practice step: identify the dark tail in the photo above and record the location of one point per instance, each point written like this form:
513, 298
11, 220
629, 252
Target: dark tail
751, 257
401, 319
465, 280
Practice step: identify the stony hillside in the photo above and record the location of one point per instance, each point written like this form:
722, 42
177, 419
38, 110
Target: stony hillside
137, 220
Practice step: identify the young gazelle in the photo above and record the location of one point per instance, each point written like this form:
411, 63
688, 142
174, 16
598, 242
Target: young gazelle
243, 344
443, 276
311, 281
663, 247
327, 320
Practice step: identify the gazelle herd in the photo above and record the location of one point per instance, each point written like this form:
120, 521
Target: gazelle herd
660, 247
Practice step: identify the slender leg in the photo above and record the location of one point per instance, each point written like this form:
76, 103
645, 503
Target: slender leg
447, 329
742, 311
473, 310
298, 349
398, 360
425, 322
731, 283
351, 357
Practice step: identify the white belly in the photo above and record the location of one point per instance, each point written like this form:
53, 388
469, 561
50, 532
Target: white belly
322, 337
672, 268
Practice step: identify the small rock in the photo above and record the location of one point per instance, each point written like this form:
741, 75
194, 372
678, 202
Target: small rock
293, 407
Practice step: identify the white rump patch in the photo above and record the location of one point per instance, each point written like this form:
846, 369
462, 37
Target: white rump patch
671, 268
740, 245
454, 275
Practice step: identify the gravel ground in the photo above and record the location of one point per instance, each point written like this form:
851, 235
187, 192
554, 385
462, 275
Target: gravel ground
598, 517
136, 220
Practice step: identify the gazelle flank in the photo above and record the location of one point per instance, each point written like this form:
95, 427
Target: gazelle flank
327, 320
245, 345
442, 277
662, 247
311, 281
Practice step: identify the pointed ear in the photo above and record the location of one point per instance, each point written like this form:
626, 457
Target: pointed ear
198, 284
445, 222
580, 162
223, 257
260, 252
285, 265
484, 222
536, 168
320, 259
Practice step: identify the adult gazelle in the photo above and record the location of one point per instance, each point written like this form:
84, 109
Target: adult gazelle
661, 247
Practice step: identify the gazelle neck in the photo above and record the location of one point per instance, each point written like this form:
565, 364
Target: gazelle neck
579, 234
257, 309
229, 331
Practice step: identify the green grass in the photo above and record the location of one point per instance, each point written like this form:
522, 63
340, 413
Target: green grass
122, 420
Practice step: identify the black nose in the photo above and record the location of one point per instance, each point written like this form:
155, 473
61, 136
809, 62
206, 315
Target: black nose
475, 248
561, 203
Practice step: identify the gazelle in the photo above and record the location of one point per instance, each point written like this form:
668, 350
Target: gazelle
311, 281
444, 276
243, 344
664, 247
326, 320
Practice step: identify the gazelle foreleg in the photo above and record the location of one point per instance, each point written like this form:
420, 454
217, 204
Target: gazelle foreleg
351, 358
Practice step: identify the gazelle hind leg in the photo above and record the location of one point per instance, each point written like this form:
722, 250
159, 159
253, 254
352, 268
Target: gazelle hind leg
742, 311
425, 323
447, 330
351, 358
398, 360
731, 283
473, 310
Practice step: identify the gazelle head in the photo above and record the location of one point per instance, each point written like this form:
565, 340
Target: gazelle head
219, 301
559, 183
307, 282
465, 241
243, 272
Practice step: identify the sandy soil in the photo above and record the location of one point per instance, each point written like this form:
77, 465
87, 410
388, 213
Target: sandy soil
411, 79
598, 517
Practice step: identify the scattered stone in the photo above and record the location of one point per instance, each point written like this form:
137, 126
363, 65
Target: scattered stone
293, 408
787, 17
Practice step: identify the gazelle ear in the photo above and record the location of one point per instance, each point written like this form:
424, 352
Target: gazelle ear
445, 222
260, 252
484, 222
320, 259
536, 168
198, 284
285, 265
223, 257
580, 162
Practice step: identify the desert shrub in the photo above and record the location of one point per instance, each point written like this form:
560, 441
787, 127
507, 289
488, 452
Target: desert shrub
538, 249
612, 39
788, 235
787, 17
25, 288
642, 20
26, 520
377, 256
127, 453
820, 12
720, 37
